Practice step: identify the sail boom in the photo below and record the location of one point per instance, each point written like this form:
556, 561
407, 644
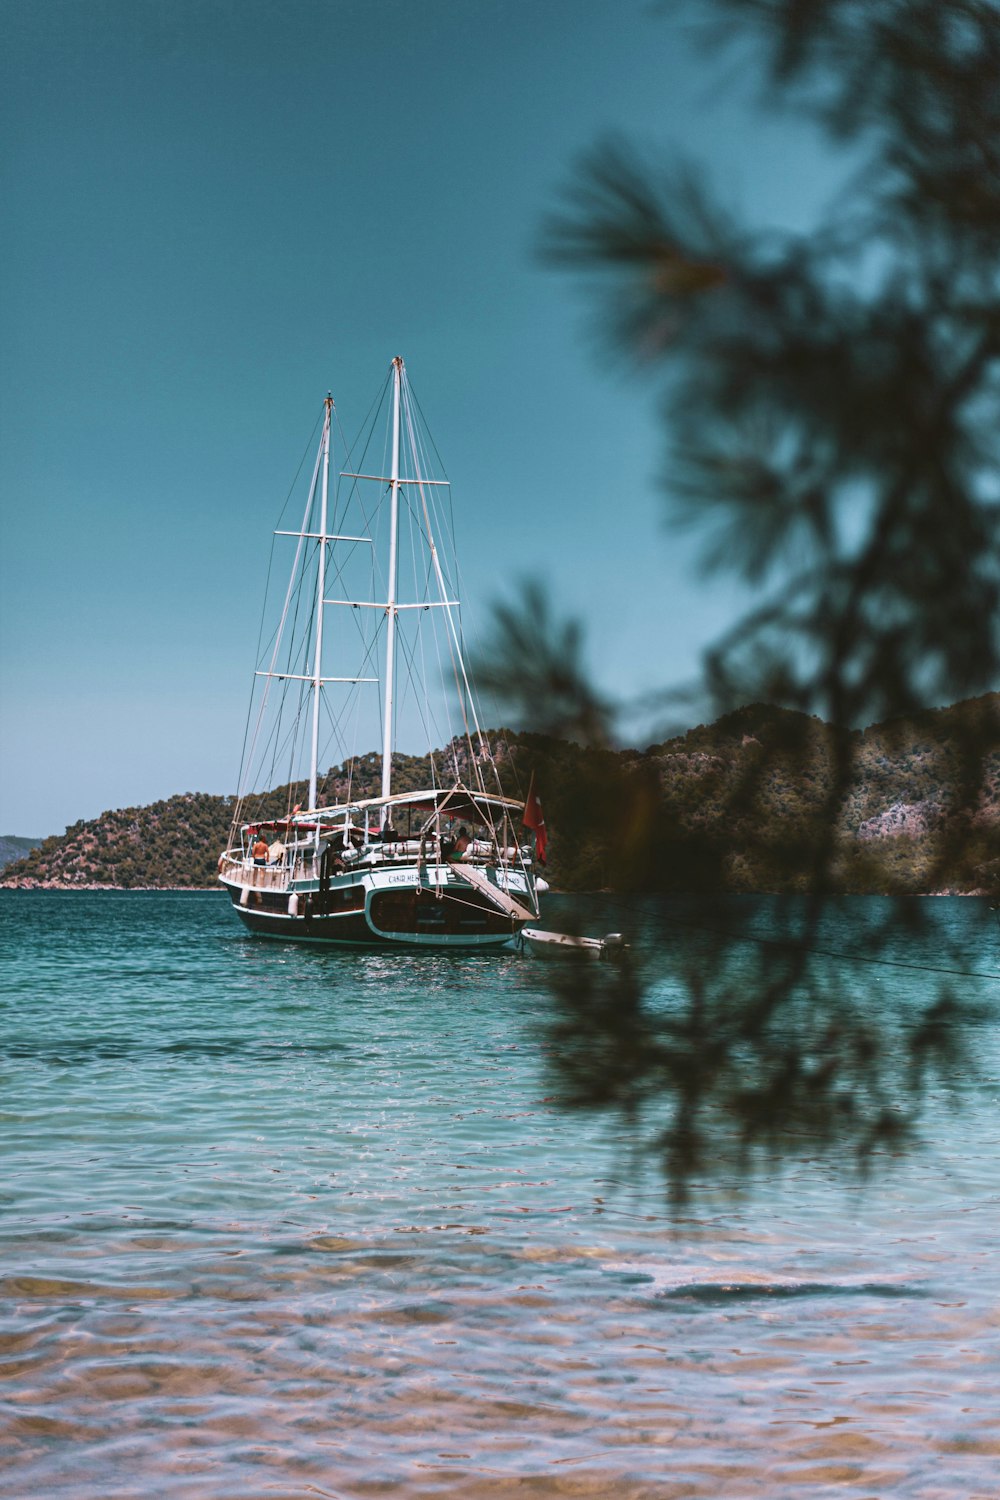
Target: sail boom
388, 479
328, 536
376, 604
308, 677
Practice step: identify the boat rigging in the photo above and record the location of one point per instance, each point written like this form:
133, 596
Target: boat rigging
449, 864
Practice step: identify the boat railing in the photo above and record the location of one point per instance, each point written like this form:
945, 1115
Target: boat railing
305, 866
408, 851
264, 877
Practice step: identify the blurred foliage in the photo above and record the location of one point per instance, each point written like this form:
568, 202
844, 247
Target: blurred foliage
832, 410
833, 398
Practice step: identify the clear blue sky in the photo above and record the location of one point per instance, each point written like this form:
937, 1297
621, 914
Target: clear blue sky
214, 210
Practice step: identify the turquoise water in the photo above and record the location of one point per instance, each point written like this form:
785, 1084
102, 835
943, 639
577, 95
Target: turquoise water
282, 1223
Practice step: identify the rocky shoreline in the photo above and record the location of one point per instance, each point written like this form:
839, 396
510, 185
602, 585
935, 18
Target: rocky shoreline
55, 885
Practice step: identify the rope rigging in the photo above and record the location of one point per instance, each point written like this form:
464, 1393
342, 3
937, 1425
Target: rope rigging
275, 742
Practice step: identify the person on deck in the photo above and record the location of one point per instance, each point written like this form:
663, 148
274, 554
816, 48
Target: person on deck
259, 850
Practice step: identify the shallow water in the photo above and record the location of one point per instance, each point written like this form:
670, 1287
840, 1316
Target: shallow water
283, 1223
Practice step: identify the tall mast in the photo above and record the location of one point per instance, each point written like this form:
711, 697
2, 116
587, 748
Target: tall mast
390, 609
317, 679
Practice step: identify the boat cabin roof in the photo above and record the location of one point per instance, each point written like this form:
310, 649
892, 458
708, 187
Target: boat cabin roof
455, 802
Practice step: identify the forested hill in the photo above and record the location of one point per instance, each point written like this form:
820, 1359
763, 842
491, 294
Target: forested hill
895, 813
176, 843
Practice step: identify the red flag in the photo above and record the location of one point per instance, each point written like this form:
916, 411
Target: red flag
534, 819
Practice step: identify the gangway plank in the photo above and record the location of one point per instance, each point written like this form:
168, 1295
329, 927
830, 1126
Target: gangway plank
481, 881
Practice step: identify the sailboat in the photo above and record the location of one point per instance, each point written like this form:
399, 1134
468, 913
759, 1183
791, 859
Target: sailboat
449, 864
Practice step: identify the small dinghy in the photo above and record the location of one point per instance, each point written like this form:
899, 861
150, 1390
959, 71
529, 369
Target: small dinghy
564, 945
